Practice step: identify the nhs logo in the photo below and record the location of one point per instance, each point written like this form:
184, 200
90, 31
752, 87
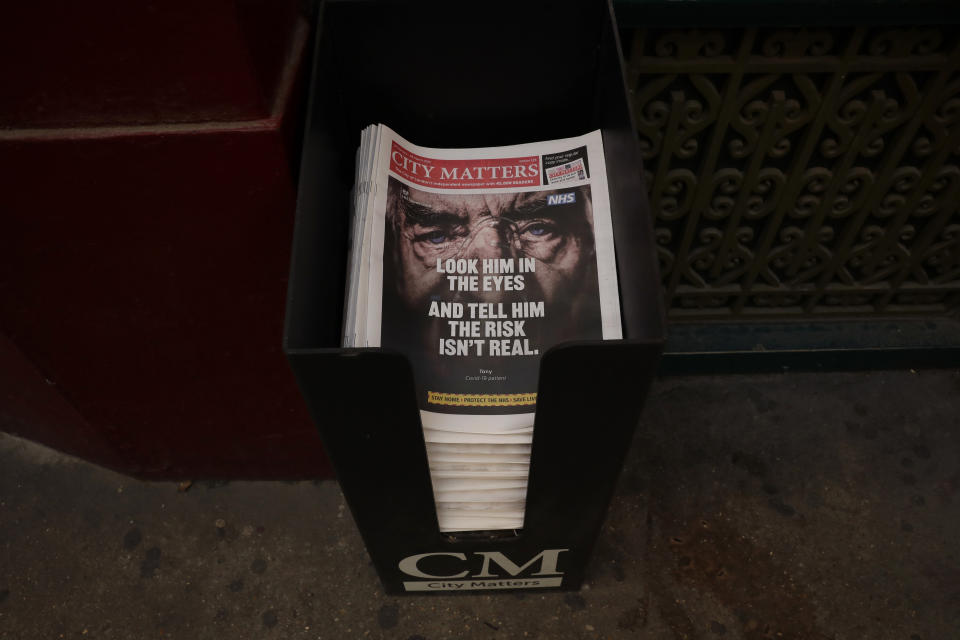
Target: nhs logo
562, 198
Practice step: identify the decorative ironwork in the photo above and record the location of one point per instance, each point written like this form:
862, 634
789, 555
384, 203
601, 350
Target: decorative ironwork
802, 172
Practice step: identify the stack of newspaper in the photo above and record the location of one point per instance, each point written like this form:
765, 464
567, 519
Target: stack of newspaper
472, 263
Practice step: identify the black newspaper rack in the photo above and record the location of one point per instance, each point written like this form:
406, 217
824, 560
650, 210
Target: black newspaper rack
504, 74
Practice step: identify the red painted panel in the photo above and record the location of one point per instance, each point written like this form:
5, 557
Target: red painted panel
143, 268
145, 276
268, 27
116, 62
31, 404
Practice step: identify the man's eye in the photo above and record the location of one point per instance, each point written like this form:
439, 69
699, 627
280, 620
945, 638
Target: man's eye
434, 237
538, 229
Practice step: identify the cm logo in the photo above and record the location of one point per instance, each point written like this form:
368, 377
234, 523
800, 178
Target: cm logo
546, 561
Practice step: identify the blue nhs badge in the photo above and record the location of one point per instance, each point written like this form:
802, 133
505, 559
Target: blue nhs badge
562, 198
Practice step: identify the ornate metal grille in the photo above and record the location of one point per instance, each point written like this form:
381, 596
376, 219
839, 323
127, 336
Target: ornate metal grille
802, 172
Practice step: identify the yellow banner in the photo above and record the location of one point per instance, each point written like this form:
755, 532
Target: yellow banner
481, 399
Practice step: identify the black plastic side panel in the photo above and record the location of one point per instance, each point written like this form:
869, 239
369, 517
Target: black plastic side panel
515, 73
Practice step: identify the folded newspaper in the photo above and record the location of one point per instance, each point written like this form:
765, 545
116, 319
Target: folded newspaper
472, 263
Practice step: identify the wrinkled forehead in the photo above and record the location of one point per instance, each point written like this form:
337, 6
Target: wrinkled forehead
475, 205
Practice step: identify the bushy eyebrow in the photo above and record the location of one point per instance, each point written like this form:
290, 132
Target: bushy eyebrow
427, 217
537, 208
529, 209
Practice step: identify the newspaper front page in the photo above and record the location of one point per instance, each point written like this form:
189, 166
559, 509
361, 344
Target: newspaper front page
474, 262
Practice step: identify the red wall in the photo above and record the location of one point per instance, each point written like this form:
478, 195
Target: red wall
147, 207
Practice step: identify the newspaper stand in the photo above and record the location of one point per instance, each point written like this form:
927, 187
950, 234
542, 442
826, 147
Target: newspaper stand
507, 74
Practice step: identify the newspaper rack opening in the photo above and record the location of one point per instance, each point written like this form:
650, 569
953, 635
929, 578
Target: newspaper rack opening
511, 74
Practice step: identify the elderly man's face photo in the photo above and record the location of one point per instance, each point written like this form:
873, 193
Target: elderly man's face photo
429, 226
552, 230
